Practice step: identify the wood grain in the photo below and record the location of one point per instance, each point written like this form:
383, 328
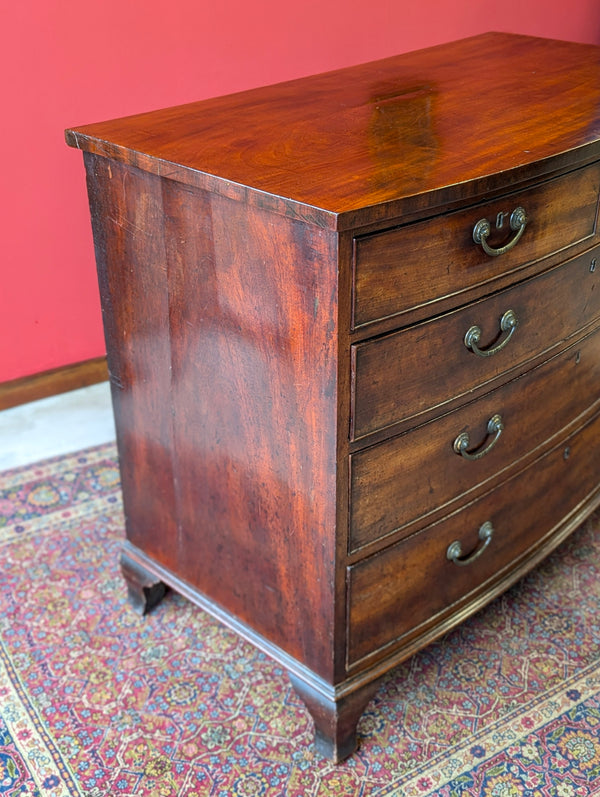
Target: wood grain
388, 283
53, 382
224, 382
282, 469
437, 124
403, 375
398, 485
127, 221
253, 399
391, 594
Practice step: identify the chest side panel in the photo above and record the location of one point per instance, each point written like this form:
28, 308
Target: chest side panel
222, 335
252, 300
127, 222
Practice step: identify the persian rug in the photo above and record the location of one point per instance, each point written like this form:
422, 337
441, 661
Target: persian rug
98, 702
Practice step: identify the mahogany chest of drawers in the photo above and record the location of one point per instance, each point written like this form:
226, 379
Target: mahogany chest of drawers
353, 333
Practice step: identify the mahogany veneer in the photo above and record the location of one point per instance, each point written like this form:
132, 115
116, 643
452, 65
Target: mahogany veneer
343, 425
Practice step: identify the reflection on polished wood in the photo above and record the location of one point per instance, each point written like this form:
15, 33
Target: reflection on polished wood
457, 116
296, 310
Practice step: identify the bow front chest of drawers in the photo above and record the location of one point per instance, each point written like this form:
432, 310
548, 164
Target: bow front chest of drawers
353, 333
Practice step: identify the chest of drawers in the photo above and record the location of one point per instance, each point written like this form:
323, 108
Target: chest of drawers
353, 333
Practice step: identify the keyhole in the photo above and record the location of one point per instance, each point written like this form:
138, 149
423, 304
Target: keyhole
566, 453
593, 265
578, 358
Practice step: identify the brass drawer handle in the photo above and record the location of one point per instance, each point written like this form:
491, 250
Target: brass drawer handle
482, 230
454, 552
495, 426
508, 323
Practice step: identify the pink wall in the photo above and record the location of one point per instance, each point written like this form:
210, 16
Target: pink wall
65, 63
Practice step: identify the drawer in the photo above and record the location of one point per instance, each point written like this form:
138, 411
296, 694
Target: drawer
406, 478
403, 374
404, 268
413, 583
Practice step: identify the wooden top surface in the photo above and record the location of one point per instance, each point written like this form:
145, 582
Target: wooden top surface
450, 119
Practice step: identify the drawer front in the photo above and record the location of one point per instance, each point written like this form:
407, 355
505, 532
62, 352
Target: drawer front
400, 269
409, 476
403, 374
409, 584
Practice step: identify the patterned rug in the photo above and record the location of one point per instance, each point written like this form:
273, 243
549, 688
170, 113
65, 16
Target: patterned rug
98, 702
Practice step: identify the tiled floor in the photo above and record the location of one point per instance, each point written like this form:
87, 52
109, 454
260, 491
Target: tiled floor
56, 425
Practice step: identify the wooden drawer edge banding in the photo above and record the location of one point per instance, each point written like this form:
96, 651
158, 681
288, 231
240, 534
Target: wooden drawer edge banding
484, 484
449, 507
372, 576
368, 439
384, 366
239, 293
435, 306
465, 607
462, 247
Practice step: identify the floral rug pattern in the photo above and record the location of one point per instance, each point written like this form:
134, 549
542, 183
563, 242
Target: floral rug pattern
98, 702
